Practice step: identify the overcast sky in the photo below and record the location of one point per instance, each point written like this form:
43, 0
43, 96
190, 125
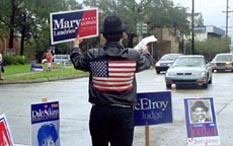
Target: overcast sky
212, 11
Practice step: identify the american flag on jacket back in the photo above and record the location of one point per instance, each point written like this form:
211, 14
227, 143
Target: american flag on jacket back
113, 75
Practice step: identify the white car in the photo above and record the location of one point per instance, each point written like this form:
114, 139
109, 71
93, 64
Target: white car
189, 70
222, 62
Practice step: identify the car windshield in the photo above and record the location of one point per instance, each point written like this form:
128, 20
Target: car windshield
170, 57
223, 58
189, 62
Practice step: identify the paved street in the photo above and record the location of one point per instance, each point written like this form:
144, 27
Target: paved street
16, 99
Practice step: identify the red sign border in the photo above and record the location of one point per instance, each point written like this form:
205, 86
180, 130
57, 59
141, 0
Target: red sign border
4, 120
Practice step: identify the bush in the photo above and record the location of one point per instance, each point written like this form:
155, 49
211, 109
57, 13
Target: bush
13, 60
20, 60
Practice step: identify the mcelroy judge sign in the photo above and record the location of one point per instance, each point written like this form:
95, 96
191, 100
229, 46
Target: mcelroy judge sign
64, 26
153, 108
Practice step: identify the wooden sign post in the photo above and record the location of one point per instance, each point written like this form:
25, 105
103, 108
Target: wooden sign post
147, 134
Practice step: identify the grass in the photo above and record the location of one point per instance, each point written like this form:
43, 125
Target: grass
23, 72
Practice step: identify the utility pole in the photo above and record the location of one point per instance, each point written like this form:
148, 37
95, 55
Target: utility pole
227, 16
227, 19
193, 47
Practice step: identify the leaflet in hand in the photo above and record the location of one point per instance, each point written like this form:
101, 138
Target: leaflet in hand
145, 41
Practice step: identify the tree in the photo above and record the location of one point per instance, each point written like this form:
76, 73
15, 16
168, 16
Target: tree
4, 19
155, 13
209, 48
32, 19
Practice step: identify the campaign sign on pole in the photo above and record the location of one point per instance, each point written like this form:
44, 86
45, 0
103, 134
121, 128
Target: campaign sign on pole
64, 26
153, 108
5, 134
45, 123
201, 122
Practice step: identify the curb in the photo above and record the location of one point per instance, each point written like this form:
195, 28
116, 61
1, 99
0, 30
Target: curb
42, 79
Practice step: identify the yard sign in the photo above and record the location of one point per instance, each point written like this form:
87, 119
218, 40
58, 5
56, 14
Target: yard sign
203, 132
45, 117
5, 134
153, 108
64, 26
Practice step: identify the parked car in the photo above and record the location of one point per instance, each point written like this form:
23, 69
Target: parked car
59, 58
222, 62
165, 62
62, 58
189, 70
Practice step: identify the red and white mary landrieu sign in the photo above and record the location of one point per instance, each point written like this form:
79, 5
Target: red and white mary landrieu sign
64, 26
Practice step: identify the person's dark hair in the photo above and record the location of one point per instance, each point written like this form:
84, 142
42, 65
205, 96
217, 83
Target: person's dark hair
113, 36
46, 131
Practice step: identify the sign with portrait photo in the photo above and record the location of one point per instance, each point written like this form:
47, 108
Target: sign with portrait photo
45, 124
5, 134
153, 108
66, 25
201, 122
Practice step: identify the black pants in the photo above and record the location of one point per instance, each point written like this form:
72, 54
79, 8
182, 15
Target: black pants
114, 125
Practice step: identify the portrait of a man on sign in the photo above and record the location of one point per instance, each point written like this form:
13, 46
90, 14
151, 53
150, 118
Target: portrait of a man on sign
199, 111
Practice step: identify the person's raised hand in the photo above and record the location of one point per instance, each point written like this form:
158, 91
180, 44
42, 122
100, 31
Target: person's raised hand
77, 41
144, 48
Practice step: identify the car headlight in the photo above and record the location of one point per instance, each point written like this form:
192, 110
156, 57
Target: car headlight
157, 64
227, 62
203, 73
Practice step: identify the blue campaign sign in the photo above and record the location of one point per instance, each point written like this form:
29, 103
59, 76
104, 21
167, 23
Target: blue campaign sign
44, 112
45, 123
153, 108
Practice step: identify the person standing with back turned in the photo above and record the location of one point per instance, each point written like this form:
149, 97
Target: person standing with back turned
112, 84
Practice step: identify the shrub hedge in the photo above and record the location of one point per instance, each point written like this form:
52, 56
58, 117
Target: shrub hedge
14, 60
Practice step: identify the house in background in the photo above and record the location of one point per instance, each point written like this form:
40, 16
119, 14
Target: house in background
209, 31
4, 46
167, 42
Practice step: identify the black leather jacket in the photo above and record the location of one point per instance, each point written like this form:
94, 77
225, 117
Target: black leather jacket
100, 64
